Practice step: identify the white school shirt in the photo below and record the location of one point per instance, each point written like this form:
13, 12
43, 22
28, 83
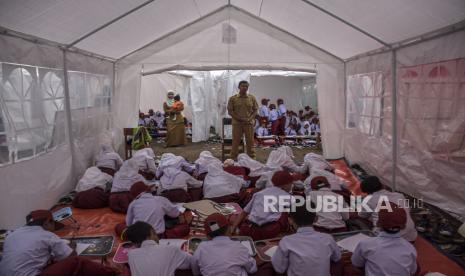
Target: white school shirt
141, 122
109, 160
256, 206
306, 252
176, 179
409, 232
328, 220
264, 111
262, 131
29, 248
282, 110
290, 132
151, 209
273, 115
222, 256
386, 255
157, 260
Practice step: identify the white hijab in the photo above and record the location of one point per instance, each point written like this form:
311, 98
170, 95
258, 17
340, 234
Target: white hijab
205, 159
107, 152
170, 160
281, 157
316, 161
93, 178
256, 168
169, 175
220, 183
127, 175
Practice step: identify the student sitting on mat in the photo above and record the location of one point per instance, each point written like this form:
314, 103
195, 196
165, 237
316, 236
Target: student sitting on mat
145, 159
258, 223
291, 130
108, 161
306, 252
262, 130
231, 167
327, 222
169, 160
151, 258
283, 158
221, 255
122, 182
373, 187
157, 211
316, 161
220, 186
201, 164
174, 185
92, 190
29, 249
388, 253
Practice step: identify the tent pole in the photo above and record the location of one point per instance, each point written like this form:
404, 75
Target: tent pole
454, 28
394, 119
109, 23
69, 127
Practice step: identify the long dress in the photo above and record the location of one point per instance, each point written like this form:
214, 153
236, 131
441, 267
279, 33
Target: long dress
176, 131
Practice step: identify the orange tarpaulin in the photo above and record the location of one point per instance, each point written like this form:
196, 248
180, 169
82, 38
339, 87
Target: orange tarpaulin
102, 222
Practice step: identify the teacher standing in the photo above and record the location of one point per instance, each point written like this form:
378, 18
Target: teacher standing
176, 131
242, 107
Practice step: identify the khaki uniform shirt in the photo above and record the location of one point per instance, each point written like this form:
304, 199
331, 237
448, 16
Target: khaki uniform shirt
244, 107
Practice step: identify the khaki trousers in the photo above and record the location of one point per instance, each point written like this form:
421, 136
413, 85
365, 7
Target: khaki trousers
239, 130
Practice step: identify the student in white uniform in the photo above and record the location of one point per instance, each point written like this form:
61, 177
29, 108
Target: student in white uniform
274, 119
306, 252
151, 258
175, 183
373, 187
327, 222
388, 253
220, 255
262, 130
258, 223
264, 111
108, 161
291, 130
201, 164
145, 159
221, 186
28, 250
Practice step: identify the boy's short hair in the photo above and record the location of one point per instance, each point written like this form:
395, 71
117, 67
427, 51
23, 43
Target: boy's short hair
177, 97
138, 232
242, 82
371, 184
303, 217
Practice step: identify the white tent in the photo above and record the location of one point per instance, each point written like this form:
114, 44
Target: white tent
390, 76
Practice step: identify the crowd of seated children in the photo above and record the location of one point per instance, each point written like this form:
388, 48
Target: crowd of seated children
150, 216
275, 120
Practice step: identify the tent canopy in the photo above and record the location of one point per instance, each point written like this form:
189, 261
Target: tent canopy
117, 28
71, 71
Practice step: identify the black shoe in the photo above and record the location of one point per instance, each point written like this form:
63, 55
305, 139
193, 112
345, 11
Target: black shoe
423, 225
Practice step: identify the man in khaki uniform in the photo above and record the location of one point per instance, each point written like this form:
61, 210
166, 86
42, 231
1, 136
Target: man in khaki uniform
242, 107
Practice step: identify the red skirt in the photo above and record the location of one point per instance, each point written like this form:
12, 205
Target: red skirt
275, 127
77, 266
119, 201
266, 231
91, 199
177, 195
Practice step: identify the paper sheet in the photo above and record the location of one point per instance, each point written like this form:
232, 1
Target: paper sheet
246, 244
351, 242
270, 252
173, 242
180, 207
80, 247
